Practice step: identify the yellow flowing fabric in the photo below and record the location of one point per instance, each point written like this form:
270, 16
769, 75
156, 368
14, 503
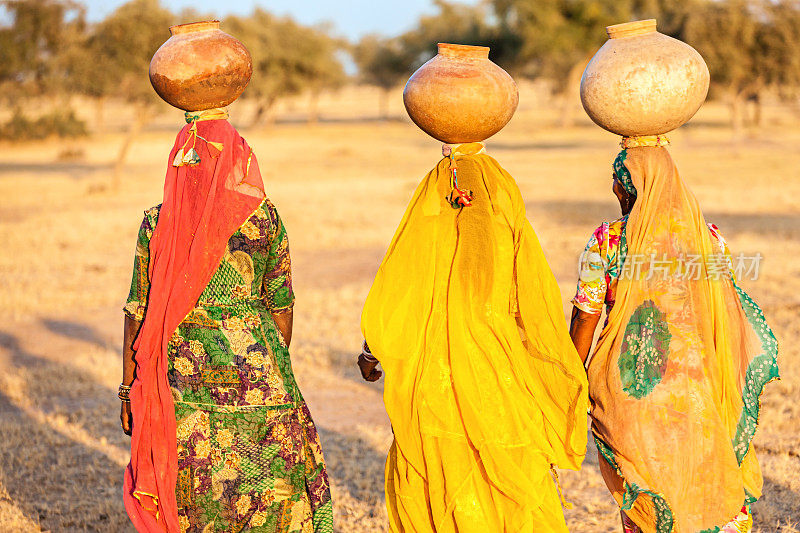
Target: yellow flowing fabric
678, 371
479, 414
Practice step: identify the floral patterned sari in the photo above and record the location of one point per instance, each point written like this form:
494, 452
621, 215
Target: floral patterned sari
676, 376
249, 457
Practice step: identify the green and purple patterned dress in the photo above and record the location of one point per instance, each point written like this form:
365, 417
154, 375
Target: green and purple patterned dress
249, 458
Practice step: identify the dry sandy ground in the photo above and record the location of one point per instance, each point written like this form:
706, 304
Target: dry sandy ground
341, 187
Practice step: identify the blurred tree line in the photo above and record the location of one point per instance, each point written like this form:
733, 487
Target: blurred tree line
48, 50
751, 46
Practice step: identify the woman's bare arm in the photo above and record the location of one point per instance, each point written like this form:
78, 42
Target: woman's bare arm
128, 369
284, 319
581, 330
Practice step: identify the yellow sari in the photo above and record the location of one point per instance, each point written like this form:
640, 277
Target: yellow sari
679, 368
483, 386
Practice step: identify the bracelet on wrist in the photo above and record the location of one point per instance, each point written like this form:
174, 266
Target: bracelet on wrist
367, 355
368, 358
124, 393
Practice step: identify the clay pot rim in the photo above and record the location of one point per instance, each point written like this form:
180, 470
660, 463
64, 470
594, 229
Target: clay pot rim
463, 51
631, 29
191, 27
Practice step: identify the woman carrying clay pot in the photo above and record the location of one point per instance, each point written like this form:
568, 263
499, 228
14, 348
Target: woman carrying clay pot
684, 354
484, 390
222, 439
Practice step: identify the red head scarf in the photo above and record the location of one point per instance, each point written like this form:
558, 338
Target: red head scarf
205, 202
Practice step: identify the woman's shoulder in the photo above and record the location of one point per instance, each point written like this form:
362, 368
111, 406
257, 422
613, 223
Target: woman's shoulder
266, 211
152, 213
264, 221
608, 231
616, 227
150, 219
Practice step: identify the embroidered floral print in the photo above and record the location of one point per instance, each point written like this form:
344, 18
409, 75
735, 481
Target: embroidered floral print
644, 351
602, 261
249, 456
600, 267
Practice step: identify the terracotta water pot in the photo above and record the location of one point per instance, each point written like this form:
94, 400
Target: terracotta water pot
460, 96
642, 82
200, 67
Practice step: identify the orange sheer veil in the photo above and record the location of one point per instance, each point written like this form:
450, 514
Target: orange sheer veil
679, 368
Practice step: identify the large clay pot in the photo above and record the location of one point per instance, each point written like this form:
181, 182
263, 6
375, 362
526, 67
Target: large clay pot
642, 82
460, 96
200, 67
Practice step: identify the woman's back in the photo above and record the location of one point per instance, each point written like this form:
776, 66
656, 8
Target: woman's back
245, 436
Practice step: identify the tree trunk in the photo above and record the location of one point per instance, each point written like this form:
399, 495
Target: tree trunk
565, 119
99, 108
313, 108
269, 116
754, 119
737, 120
757, 115
134, 130
383, 104
257, 118
264, 113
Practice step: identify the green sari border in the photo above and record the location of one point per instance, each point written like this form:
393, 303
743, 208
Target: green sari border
762, 370
664, 517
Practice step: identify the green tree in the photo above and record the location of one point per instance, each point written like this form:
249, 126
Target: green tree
672, 16
780, 60
732, 36
461, 24
317, 53
384, 63
287, 58
119, 50
558, 37
33, 45
114, 60
388, 62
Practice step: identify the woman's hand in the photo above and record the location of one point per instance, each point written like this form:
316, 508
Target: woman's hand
369, 370
284, 320
126, 418
130, 332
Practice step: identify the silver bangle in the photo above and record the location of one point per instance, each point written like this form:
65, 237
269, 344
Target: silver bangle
366, 354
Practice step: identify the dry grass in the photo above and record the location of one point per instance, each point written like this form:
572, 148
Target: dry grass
341, 187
